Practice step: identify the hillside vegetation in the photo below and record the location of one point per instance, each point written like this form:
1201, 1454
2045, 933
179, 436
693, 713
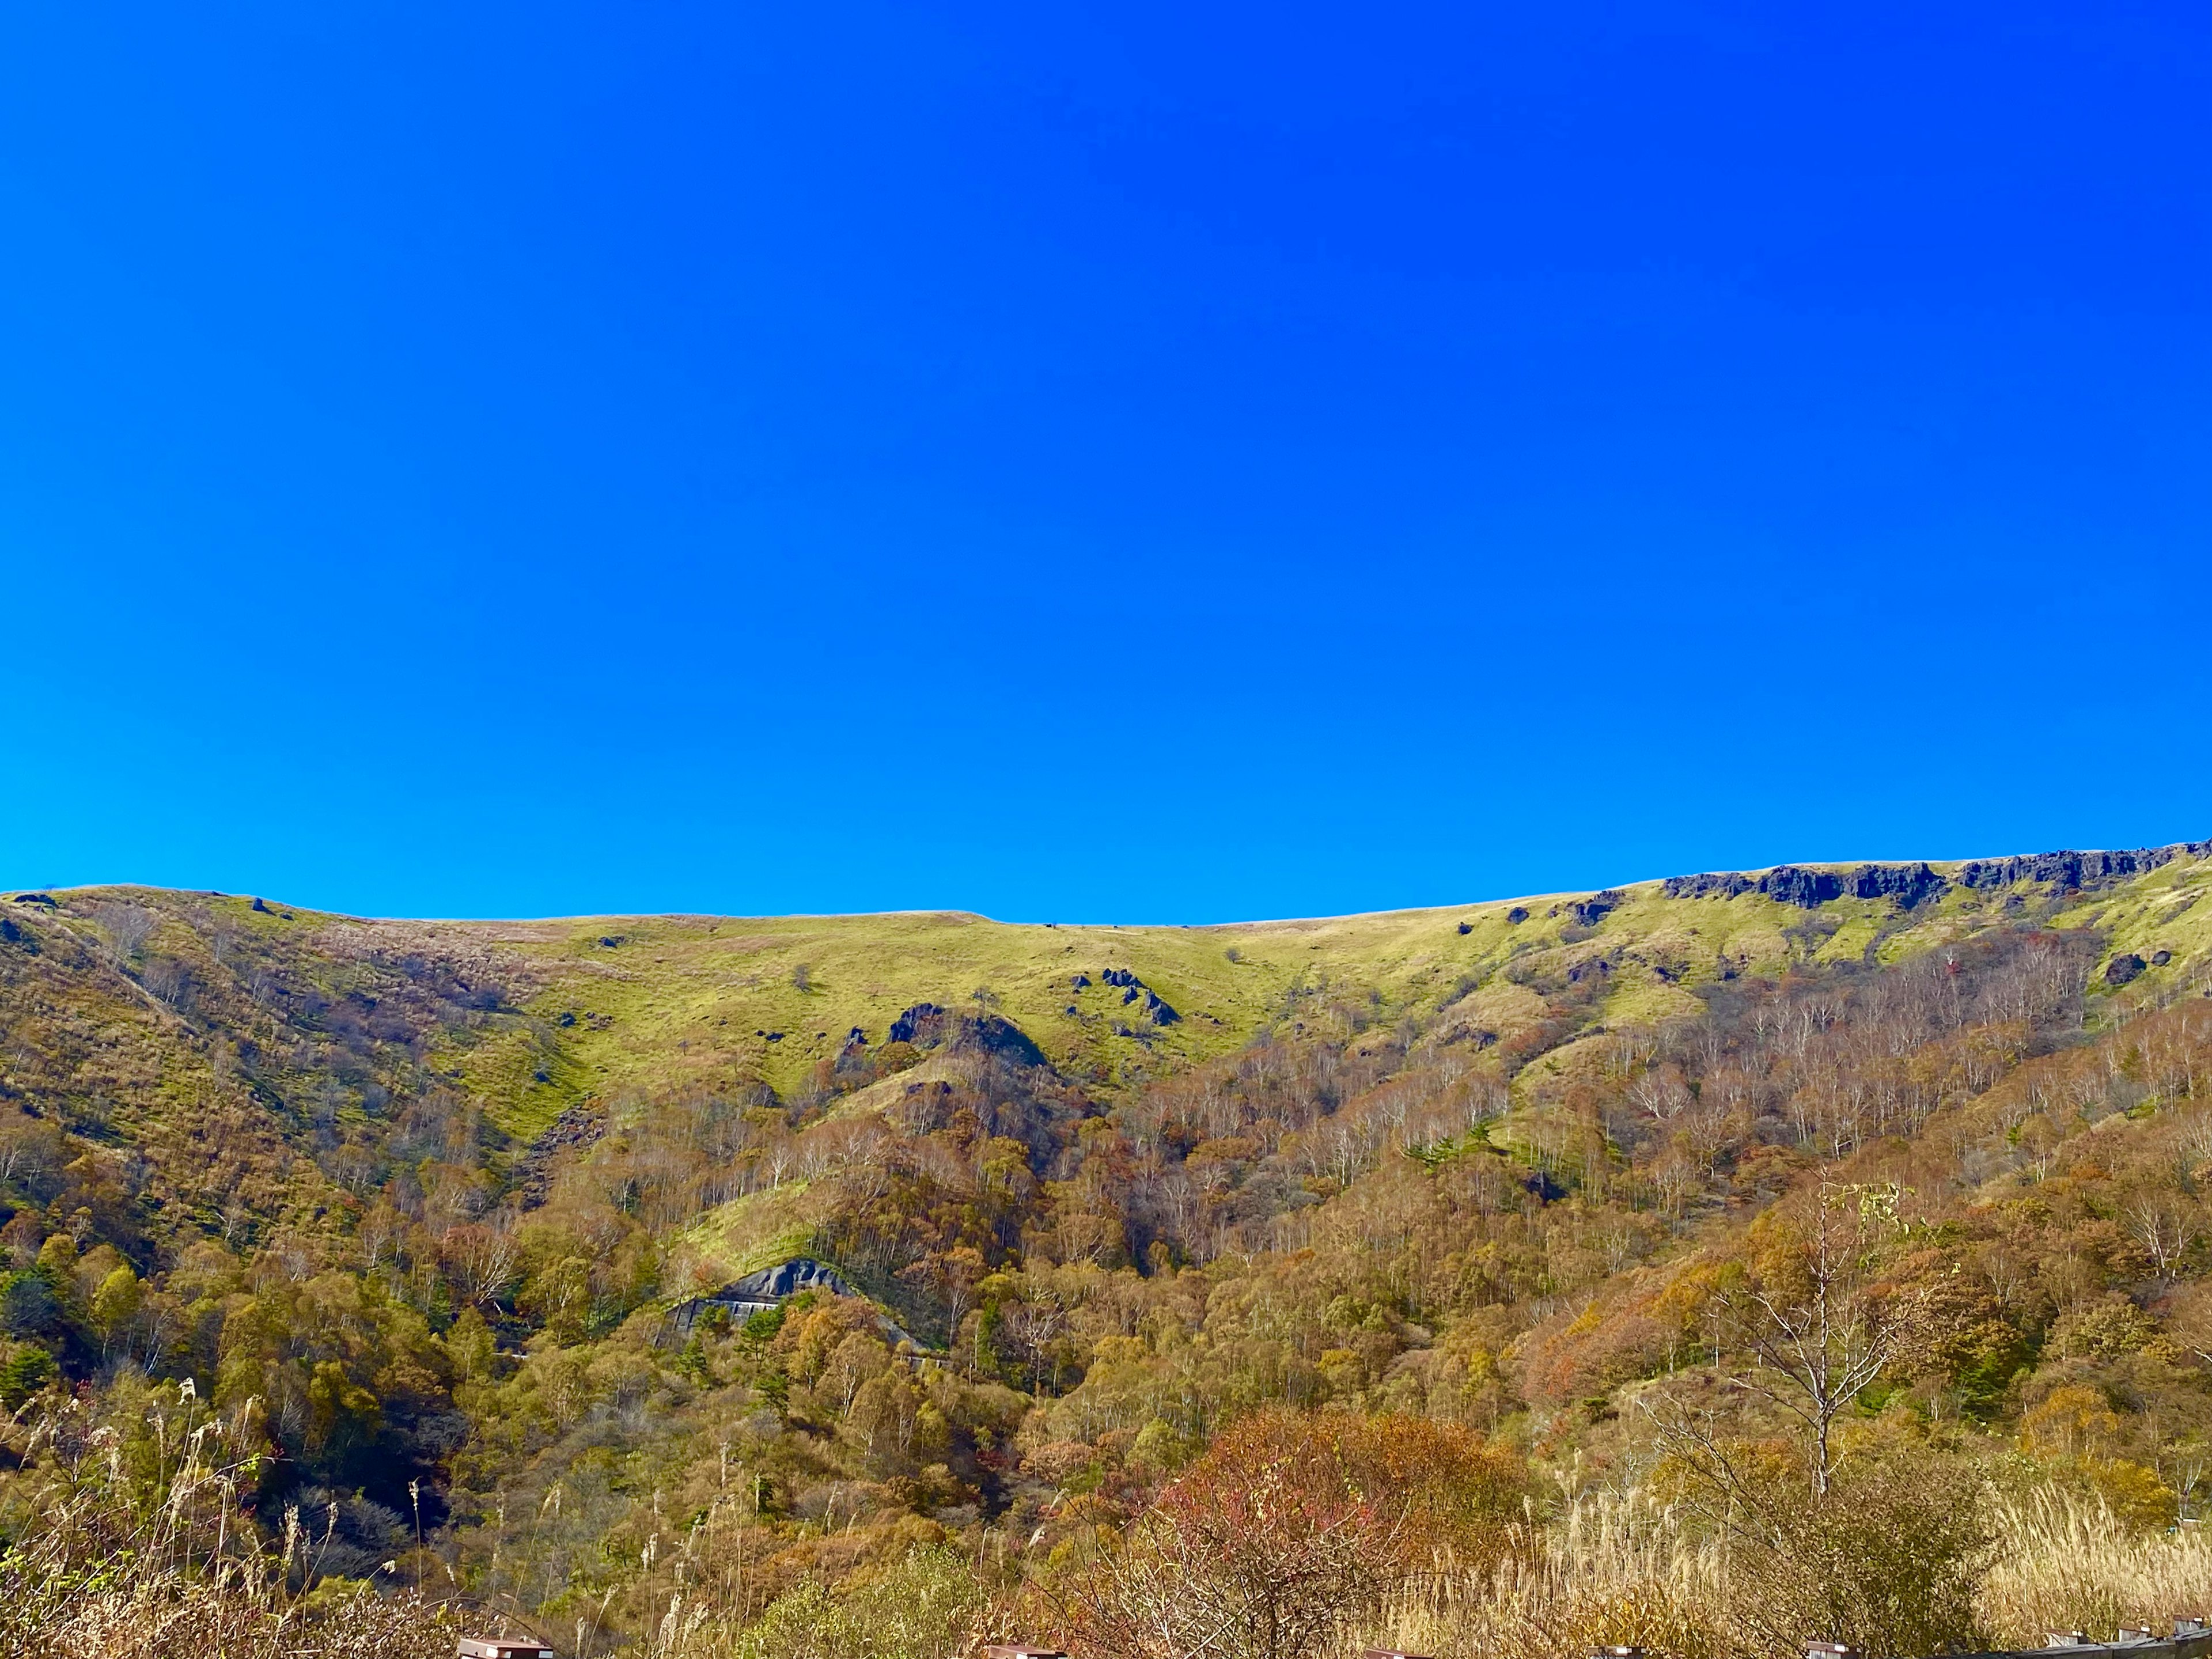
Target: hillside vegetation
352, 1248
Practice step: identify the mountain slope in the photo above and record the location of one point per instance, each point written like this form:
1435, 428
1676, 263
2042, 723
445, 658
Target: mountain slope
422, 1191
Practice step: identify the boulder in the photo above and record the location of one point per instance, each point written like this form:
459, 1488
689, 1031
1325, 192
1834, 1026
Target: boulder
2124, 969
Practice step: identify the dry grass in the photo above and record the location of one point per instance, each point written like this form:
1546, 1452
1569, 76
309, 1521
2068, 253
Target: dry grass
138, 1548
1625, 1571
2066, 1564
1615, 1570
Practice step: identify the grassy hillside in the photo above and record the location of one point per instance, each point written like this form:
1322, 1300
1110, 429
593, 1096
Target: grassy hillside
407, 1202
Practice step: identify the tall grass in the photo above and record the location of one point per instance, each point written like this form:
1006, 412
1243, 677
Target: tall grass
1616, 1569
1625, 1569
2063, 1563
139, 1545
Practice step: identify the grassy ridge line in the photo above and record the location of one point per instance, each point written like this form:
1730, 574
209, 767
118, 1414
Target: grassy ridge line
684, 1002
684, 998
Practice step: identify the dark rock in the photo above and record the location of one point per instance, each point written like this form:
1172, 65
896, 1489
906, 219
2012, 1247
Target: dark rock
566, 1020
2067, 869
1081, 981
1547, 1190
1157, 1011
1805, 889
774, 1284
2159, 958
775, 1037
1518, 915
1596, 968
260, 908
21, 938
1465, 927
1589, 912
1120, 976
999, 1038
925, 1026
857, 1038
2123, 969
46, 899
1722, 883
576, 1128
608, 941
1908, 884
1130, 995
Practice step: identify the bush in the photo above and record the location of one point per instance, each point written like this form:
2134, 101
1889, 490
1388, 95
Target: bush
1290, 1530
918, 1608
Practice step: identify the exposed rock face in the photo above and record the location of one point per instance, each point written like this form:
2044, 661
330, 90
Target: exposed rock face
2069, 869
1120, 976
923, 1025
1594, 909
1807, 888
926, 1025
1915, 884
1518, 915
1908, 884
2123, 969
1157, 1011
787, 1278
1714, 883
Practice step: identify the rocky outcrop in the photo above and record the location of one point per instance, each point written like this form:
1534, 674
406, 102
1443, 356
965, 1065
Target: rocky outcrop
787, 1279
1808, 888
1908, 884
1714, 883
1001, 1039
1589, 912
927, 1025
2124, 969
923, 1025
2067, 869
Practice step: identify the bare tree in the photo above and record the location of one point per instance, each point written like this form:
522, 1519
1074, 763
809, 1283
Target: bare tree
1815, 1319
126, 926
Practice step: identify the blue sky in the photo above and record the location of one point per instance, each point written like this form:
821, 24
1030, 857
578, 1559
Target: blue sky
1131, 462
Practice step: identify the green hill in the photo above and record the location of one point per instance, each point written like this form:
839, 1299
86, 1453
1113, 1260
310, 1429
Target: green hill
423, 1191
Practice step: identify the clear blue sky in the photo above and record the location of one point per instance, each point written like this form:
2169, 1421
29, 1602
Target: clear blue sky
1120, 462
